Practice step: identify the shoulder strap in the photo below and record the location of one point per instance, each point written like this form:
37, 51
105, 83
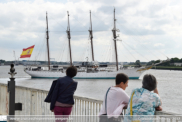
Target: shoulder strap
131, 112
106, 100
66, 88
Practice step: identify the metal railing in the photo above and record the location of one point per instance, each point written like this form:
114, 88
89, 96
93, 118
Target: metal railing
33, 103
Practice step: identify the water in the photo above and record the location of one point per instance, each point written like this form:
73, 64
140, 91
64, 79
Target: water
169, 86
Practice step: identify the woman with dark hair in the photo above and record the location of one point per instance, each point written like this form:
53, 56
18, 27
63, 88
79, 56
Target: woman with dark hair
143, 101
62, 98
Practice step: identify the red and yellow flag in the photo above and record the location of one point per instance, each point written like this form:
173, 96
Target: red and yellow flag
27, 52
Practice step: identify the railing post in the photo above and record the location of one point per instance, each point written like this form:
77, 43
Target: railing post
11, 89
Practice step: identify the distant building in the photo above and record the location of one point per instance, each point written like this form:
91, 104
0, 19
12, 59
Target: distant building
176, 64
8, 63
1, 64
24, 62
125, 63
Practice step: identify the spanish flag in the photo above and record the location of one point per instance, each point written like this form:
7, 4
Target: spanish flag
27, 52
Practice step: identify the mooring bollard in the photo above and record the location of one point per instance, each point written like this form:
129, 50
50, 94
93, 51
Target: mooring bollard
11, 89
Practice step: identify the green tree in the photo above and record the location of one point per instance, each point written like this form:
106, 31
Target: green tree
2, 61
138, 63
157, 61
150, 62
180, 60
173, 60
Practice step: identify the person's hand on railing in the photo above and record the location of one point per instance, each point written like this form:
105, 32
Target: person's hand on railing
156, 91
52, 110
126, 105
159, 108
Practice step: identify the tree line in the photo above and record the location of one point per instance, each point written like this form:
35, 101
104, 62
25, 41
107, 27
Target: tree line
168, 63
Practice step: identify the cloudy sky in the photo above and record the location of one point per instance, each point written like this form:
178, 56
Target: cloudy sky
148, 29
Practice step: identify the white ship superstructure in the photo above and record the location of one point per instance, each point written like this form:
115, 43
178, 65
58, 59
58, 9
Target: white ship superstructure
132, 74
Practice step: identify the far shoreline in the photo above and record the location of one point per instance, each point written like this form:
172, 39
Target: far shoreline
167, 68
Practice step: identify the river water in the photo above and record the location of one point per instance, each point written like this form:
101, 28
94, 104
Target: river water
169, 85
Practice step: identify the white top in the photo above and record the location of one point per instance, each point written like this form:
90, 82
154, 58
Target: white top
116, 100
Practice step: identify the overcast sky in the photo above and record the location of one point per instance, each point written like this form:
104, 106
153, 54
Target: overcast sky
149, 29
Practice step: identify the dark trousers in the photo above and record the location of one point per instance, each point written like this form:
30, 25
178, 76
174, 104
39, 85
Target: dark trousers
103, 118
62, 113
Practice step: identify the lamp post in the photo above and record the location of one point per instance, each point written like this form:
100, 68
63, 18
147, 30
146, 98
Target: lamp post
11, 89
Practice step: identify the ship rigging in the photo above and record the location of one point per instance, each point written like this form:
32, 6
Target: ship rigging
88, 70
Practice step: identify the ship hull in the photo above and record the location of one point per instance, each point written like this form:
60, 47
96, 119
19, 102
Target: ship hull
131, 73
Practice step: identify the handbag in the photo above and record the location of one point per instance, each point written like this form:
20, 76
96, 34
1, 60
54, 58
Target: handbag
49, 96
131, 111
103, 117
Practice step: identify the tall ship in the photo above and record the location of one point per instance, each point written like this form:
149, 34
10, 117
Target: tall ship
86, 70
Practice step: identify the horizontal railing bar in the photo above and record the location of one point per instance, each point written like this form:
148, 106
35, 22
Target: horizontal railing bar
27, 88
165, 113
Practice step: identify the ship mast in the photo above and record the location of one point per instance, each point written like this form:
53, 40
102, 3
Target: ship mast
115, 38
47, 33
69, 37
91, 37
